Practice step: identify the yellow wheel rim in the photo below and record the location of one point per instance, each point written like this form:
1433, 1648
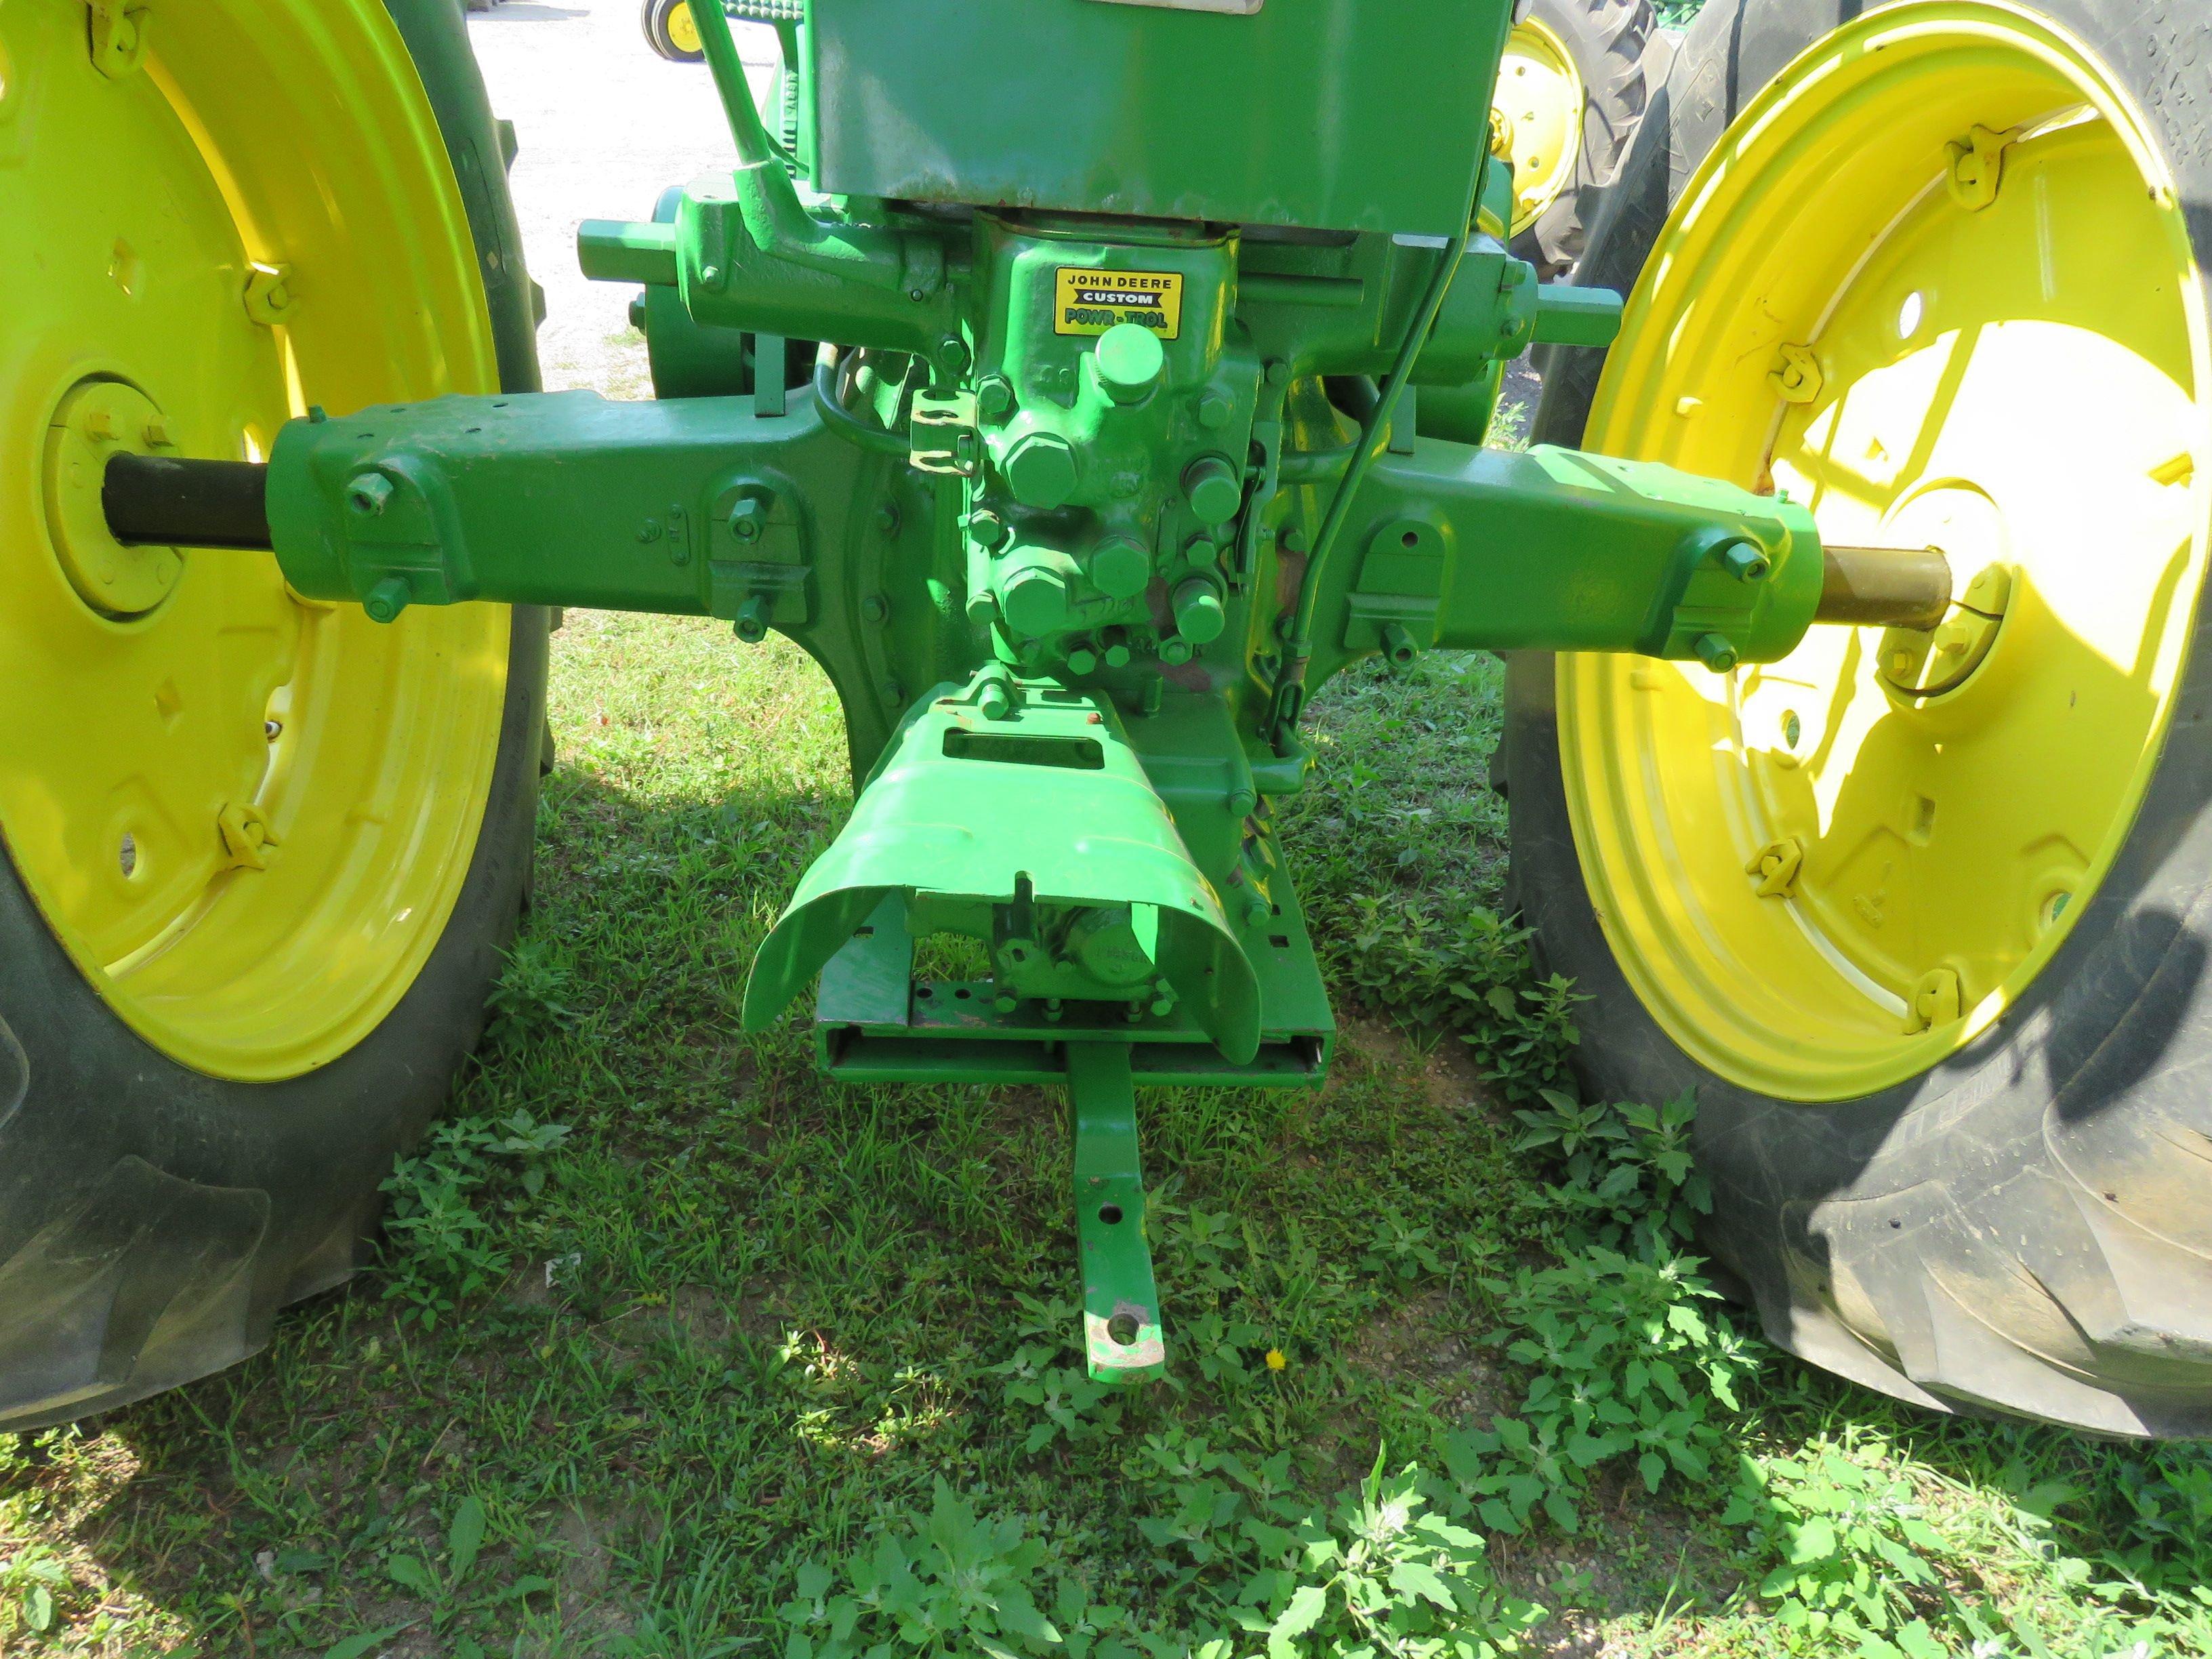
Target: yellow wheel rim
1538, 116
1937, 283
684, 29
247, 818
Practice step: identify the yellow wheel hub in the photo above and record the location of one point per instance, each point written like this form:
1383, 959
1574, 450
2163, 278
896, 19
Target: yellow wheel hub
246, 818
1936, 282
1537, 118
96, 419
684, 29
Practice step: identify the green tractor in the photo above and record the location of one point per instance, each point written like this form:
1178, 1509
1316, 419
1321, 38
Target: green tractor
1575, 81
1080, 429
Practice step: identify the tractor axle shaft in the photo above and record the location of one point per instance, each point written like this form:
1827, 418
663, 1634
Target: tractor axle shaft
1884, 587
161, 500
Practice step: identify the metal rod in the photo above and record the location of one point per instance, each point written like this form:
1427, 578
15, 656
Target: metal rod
160, 501
1884, 587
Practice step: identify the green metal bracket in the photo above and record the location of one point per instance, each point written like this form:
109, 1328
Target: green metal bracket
1122, 1336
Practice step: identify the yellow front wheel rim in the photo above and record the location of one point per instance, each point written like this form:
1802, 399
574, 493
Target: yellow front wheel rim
248, 819
684, 29
1937, 284
1537, 117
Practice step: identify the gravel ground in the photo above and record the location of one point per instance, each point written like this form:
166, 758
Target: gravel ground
604, 127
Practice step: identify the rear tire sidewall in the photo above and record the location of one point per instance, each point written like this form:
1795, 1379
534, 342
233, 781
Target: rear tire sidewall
2051, 1107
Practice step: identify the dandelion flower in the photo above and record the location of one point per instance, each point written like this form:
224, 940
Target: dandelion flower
1277, 1359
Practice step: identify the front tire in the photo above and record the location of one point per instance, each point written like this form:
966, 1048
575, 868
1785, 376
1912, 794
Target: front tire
1949, 1086
672, 32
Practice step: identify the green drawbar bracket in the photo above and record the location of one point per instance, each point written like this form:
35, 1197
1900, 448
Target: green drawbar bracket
1121, 1304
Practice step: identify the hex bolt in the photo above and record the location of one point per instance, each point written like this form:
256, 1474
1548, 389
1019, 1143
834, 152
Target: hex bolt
748, 518
1243, 803
1082, 661
875, 608
994, 397
1040, 471
388, 598
1119, 567
368, 493
1746, 561
1214, 411
1035, 599
887, 519
952, 354
1715, 652
752, 625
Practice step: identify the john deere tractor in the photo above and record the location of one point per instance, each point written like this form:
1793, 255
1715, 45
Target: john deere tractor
1082, 383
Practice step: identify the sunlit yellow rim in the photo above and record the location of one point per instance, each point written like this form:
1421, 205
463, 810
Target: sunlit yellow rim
2017, 382
683, 28
293, 134
1539, 101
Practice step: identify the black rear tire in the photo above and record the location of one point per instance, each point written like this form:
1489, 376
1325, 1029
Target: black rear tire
153, 1220
2027, 1229
1623, 57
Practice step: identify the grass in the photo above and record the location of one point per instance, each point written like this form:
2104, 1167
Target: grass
677, 1351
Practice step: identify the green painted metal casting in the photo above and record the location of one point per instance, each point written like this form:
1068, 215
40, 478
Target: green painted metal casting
1074, 509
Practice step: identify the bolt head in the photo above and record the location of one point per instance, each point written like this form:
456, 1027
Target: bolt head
748, 518
369, 493
988, 529
1040, 471
1214, 411
1130, 361
1199, 615
1715, 652
1120, 569
1035, 601
994, 397
1214, 490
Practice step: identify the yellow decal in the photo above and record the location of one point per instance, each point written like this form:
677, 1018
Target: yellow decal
1092, 301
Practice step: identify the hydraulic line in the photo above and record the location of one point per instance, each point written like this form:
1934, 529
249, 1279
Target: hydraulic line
1289, 700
